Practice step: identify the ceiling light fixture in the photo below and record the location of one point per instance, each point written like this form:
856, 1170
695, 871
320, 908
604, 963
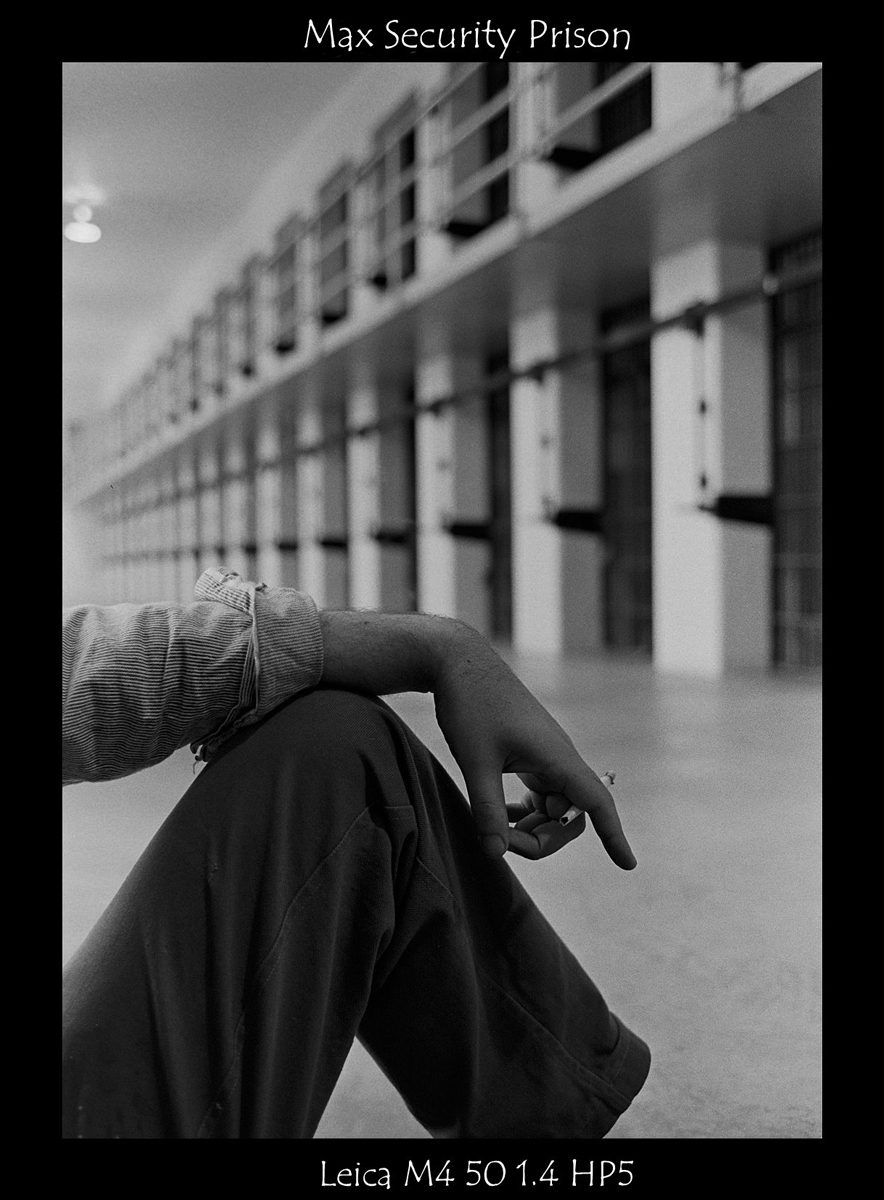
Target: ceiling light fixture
82, 198
82, 231
83, 193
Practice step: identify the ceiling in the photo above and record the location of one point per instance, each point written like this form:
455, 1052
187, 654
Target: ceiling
177, 149
180, 149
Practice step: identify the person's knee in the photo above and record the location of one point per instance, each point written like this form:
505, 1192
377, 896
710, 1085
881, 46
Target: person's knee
327, 748
319, 774
331, 724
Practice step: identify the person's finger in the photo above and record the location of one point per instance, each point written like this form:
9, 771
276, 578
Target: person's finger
527, 824
585, 790
556, 806
485, 792
516, 809
534, 783
544, 838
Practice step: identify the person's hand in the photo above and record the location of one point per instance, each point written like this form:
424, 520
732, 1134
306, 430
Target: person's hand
535, 830
493, 725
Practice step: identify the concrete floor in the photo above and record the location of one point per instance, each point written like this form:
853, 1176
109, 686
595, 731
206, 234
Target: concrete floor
710, 949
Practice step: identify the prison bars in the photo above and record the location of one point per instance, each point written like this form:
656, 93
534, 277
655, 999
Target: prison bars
691, 317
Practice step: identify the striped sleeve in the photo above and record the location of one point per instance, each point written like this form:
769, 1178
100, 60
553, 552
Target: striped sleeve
141, 681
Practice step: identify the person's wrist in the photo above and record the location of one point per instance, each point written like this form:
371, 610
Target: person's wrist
389, 652
456, 645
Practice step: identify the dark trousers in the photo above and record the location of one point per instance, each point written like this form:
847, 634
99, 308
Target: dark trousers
319, 881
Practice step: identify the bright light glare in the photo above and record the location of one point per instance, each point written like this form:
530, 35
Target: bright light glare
82, 231
83, 193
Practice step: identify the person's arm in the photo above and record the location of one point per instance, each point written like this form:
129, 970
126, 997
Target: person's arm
492, 723
139, 681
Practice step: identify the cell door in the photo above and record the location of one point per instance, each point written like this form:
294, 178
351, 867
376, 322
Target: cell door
626, 525
797, 473
334, 534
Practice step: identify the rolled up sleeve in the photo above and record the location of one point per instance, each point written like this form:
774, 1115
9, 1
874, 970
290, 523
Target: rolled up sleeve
285, 648
141, 681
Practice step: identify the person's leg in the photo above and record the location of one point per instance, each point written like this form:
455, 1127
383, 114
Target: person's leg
321, 880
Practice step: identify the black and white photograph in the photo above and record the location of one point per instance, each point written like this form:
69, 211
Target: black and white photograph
442, 601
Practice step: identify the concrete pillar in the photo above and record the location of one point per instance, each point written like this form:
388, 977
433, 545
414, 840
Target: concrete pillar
108, 551
149, 539
287, 484
433, 246
188, 537
115, 517
149, 513
209, 337
130, 543
97, 562
556, 464
363, 297
150, 542
173, 542
166, 535
452, 467
142, 543
276, 501
234, 503
267, 453
363, 498
137, 582
310, 501
266, 360
100, 560
136, 543
309, 324
333, 529
679, 88
85, 553
534, 182
125, 525
114, 540
396, 505
711, 578
209, 483
275, 367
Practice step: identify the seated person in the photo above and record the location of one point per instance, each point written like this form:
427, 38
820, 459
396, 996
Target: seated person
324, 879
